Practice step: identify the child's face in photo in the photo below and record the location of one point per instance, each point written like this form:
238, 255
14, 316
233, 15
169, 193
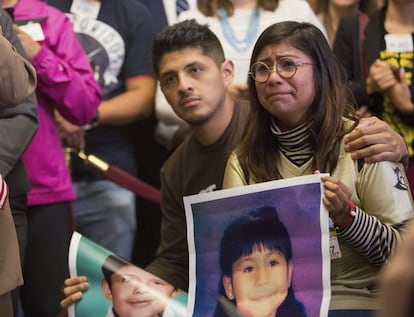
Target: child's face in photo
259, 283
135, 292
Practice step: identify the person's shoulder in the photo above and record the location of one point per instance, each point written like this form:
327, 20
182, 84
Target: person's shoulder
125, 10
135, 12
130, 18
37, 9
56, 16
53, 21
49, 15
176, 156
171, 170
350, 19
132, 6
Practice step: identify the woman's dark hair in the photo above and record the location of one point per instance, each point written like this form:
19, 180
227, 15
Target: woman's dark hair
186, 34
111, 265
211, 8
259, 228
259, 148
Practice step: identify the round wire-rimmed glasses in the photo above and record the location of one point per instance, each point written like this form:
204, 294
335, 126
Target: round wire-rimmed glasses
285, 67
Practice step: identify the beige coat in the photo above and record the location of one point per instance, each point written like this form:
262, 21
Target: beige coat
17, 75
10, 272
10, 269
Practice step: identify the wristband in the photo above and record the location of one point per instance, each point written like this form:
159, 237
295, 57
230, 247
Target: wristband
351, 216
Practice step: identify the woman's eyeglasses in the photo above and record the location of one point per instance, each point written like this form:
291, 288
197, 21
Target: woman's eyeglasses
285, 67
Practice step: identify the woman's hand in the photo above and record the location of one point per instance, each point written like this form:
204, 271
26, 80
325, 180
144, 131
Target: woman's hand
336, 198
70, 134
380, 78
400, 94
73, 289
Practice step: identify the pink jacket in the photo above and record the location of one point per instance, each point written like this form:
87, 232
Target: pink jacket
66, 83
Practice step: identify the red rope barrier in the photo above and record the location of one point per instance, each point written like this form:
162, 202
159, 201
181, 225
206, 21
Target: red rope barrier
121, 177
134, 184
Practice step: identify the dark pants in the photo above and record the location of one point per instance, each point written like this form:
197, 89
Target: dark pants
46, 259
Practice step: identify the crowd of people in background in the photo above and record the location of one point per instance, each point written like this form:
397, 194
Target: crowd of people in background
115, 78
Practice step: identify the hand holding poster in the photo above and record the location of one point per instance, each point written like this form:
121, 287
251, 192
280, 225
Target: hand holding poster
259, 249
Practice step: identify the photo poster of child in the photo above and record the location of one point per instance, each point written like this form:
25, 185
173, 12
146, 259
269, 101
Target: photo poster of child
259, 250
117, 287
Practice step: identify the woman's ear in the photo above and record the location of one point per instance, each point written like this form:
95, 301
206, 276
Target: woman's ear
228, 287
228, 71
106, 290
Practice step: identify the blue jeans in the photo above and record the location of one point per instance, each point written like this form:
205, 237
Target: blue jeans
351, 313
105, 213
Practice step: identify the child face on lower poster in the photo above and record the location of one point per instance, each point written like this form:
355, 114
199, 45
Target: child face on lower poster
259, 283
135, 292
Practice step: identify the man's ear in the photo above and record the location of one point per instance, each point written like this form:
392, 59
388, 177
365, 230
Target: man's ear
228, 287
228, 71
106, 289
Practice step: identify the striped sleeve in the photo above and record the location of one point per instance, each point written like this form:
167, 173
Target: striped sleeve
372, 238
4, 192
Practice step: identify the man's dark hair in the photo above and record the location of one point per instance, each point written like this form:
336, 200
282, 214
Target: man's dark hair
186, 34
